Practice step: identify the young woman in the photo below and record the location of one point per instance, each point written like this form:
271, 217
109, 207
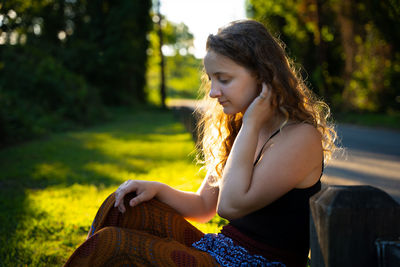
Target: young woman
264, 142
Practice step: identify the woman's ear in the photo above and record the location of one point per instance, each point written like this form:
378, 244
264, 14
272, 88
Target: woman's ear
259, 88
259, 83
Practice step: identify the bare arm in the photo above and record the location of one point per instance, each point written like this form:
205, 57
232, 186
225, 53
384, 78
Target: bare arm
199, 206
294, 160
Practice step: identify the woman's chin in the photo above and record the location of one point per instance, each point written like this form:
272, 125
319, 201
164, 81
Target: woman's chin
230, 111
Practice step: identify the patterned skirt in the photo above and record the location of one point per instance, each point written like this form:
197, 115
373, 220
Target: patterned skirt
227, 253
154, 234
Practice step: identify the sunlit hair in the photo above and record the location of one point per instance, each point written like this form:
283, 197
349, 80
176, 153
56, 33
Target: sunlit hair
249, 44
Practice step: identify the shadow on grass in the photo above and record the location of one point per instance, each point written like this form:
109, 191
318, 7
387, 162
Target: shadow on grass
102, 156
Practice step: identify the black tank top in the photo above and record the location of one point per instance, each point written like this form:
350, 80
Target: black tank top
283, 224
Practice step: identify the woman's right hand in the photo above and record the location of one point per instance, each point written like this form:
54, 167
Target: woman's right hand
145, 190
260, 110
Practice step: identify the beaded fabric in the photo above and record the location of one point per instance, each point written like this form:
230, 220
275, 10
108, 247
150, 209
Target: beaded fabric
226, 253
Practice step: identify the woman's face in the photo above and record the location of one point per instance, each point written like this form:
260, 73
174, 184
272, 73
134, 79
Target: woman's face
233, 85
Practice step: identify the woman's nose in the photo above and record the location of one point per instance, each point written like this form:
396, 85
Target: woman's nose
215, 91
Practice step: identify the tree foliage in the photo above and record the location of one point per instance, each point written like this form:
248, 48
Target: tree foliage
37, 93
183, 69
62, 60
349, 49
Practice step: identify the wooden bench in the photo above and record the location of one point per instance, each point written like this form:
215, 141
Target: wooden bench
354, 226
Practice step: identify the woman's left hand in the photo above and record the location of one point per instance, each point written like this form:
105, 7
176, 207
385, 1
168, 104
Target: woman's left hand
145, 190
260, 110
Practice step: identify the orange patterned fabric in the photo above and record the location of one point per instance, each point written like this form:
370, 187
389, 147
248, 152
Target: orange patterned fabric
150, 234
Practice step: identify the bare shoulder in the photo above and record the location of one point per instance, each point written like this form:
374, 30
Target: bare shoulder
292, 159
302, 130
302, 146
302, 133
297, 149
297, 145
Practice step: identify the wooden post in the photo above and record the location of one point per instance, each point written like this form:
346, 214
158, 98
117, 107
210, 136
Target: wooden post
345, 222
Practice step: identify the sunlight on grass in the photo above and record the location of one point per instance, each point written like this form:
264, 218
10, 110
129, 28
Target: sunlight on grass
114, 171
51, 189
57, 219
142, 146
70, 206
51, 171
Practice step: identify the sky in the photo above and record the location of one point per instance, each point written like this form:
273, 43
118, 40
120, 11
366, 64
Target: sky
203, 17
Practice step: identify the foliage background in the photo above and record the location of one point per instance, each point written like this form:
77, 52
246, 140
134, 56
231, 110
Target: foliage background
66, 65
62, 62
182, 70
348, 50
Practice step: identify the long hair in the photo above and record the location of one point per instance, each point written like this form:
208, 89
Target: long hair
249, 44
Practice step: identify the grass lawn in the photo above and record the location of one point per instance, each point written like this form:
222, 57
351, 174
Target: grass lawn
50, 189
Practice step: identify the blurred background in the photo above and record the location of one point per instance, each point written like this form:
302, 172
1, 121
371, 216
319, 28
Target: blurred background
62, 62
86, 88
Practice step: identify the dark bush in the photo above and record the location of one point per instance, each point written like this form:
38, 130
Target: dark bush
38, 94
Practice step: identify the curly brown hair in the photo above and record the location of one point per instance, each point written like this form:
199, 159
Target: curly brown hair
249, 44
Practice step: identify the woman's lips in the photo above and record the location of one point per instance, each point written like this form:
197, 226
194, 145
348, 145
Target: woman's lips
223, 102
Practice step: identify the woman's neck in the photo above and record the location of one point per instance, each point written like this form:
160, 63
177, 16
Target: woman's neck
271, 126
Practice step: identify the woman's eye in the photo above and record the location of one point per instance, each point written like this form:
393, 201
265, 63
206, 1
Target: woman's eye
223, 80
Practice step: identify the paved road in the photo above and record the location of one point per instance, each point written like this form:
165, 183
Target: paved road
371, 157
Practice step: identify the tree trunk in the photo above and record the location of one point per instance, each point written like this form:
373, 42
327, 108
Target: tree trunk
345, 15
162, 62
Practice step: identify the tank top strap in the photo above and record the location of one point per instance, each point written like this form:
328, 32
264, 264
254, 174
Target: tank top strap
260, 153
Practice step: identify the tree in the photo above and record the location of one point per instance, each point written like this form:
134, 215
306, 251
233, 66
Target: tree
61, 60
311, 37
159, 20
111, 43
348, 48
183, 70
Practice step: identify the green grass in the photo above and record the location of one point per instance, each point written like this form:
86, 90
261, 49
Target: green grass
50, 189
